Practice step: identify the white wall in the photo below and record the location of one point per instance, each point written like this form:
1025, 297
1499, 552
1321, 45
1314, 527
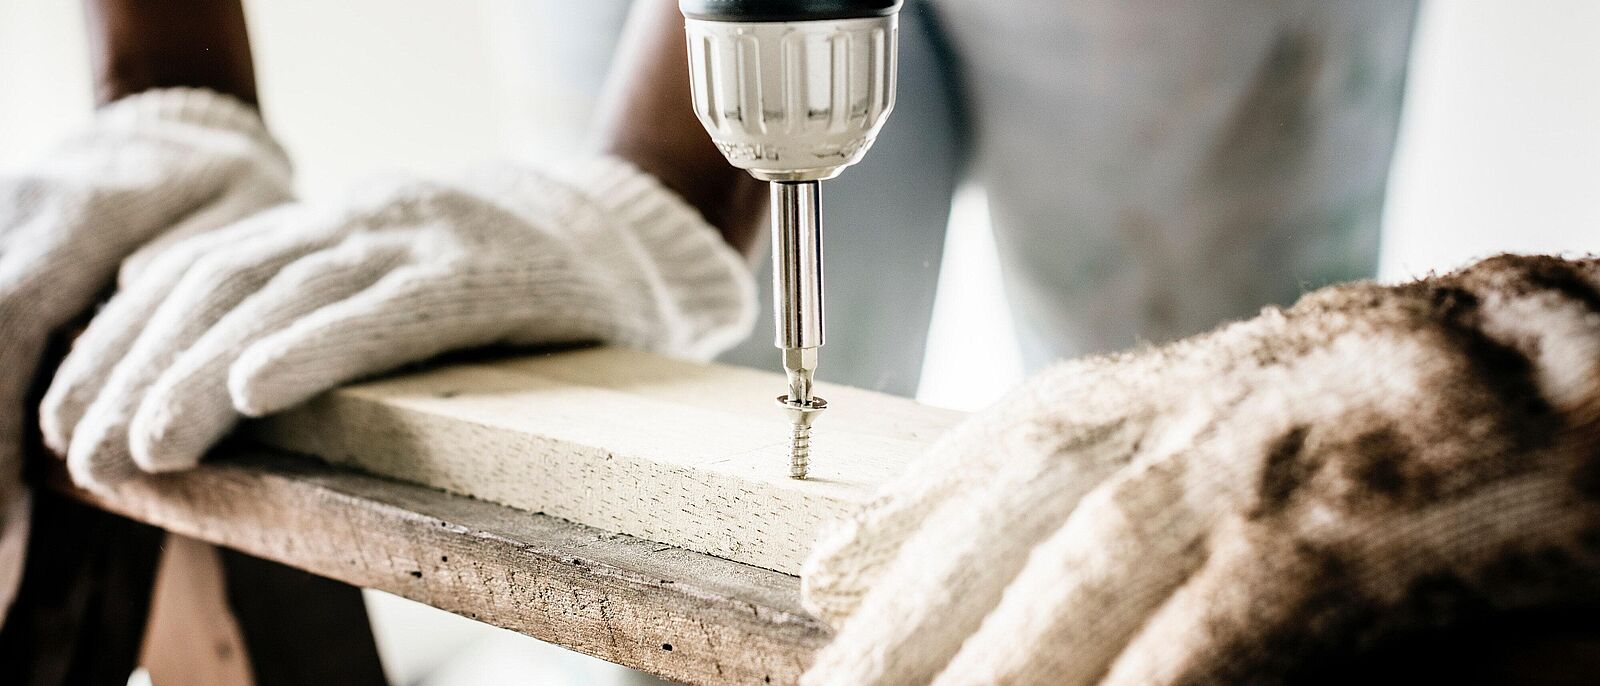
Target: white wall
44, 75
352, 88
1500, 146
361, 86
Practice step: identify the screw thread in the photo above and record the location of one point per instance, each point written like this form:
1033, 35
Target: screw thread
799, 452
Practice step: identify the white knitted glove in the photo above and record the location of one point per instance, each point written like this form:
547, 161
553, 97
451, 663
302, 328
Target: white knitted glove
1236, 507
150, 168
262, 315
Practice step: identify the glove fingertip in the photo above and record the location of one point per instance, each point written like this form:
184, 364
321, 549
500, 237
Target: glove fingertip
52, 429
95, 465
819, 596
155, 447
831, 583
253, 383
59, 412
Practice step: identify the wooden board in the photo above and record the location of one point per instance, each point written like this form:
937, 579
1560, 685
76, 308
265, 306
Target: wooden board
671, 612
688, 454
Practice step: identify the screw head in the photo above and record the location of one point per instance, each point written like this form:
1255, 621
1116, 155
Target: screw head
802, 415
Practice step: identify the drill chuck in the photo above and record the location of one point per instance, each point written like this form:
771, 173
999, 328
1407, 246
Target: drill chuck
790, 95
786, 10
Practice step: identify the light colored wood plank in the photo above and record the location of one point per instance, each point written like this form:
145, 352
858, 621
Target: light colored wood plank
668, 611
688, 454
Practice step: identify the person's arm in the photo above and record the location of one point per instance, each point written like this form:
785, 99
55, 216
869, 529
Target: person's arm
137, 45
647, 119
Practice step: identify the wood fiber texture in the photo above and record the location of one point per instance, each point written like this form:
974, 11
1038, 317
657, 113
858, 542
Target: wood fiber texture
688, 454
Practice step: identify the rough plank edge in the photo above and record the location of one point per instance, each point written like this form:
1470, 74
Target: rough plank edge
612, 596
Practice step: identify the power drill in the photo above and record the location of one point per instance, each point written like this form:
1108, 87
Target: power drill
794, 91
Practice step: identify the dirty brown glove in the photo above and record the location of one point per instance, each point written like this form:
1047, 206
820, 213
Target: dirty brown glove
1226, 508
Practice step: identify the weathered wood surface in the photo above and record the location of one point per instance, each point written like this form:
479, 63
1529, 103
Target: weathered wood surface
672, 612
689, 454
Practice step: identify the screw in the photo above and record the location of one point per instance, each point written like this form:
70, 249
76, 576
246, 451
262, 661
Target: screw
799, 451
800, 418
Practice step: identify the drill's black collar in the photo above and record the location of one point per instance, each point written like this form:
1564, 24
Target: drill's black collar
786, 10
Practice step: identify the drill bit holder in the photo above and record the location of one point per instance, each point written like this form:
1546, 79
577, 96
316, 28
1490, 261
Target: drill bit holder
792, 90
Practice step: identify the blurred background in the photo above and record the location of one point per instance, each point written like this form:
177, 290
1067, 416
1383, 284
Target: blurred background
1499, 150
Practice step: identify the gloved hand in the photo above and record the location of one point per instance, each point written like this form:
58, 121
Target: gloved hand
1230, 508
264, 314
150, 169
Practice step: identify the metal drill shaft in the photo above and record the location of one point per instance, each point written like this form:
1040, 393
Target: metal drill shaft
800, 365
797, 303
797, 264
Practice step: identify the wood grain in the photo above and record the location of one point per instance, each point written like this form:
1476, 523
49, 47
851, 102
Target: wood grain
672, 612
688, 454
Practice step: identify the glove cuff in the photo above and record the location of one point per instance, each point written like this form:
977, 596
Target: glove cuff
705, 282
683, 291
192, 107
